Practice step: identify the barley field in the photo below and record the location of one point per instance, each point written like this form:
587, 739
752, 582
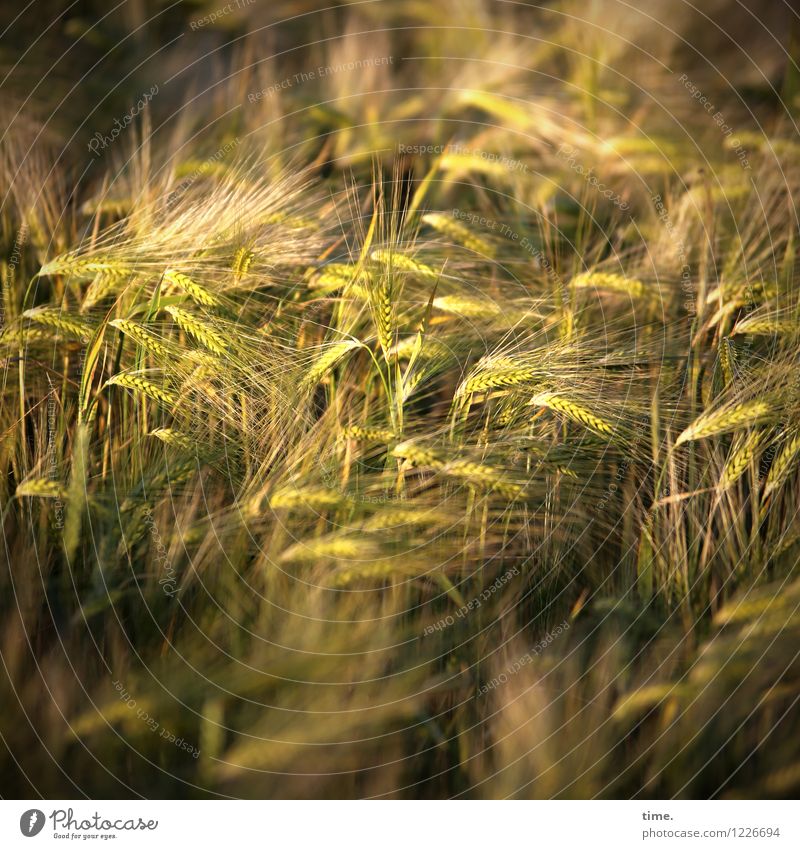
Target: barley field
400, 400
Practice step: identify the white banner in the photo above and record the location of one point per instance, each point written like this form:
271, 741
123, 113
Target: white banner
399, 825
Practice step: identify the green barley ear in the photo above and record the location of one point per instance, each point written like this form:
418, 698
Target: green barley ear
727, 419
383, 308
86, 408
572, 410
369, 434
496, 373
198, 329
176, 439
783, 464
764, 325
242, 260
467, 306
331, 547
482, 476
139, 335
459, 233
332, 277
103, 286
401, 262
139, 384
195, 291
329, 357
742, 453
417, 455
59, 320
84, 266
40, 488
726, 355
610, 282
313, 498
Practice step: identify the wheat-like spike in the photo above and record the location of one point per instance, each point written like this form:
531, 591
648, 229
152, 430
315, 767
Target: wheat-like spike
741, 454
401, 262
788, 540
726, 359
412, 381
381, 570
417, 455
85, 266
143, 337
611, 282
140, 384
574, 411
341, 548
52, 317
467, 306
195, 291
726, 419
17, 334
369, 434
397, 517
40, 488
242, 260
198, 329
329, 357
174, 438
481, 475
335, 275
499, 373
312, 497
383, 308
783, 465
764, 326
458, 232
103, 285
741, 294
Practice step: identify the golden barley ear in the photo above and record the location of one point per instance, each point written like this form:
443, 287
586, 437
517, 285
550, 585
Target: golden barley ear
198, 329
369, 434
85, 266
330, 356
611, 283
137, 383
497, 373
743, 452
178, 280
41, 488
729, 418
459, 233
59, 320
140, 335
574, 411
783, 464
